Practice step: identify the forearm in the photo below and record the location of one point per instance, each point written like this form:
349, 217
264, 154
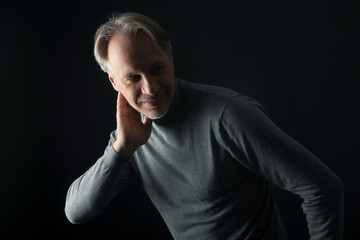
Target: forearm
299, 171
90, 193
323, 206
320, 189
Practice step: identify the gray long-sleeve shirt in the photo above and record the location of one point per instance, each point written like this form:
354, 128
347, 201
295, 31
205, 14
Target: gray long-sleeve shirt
209, 167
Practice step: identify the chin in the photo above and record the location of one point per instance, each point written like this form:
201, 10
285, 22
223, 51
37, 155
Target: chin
159, 111
153, 115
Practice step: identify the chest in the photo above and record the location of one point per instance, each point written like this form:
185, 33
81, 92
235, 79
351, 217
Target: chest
187, 164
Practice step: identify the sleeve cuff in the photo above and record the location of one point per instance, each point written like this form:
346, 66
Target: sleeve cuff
113, 159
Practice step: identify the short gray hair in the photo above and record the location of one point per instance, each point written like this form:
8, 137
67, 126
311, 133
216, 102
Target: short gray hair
128, 23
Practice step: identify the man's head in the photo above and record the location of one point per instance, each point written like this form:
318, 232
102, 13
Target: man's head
136, 54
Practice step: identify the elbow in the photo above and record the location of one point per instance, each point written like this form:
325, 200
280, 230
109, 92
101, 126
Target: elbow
74, 210
338, 188
78, 213
339, 184
333, 190
329, 190
72, 215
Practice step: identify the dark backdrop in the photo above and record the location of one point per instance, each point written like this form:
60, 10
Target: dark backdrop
300, 59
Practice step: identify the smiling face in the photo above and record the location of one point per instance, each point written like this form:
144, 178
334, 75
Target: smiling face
142, 72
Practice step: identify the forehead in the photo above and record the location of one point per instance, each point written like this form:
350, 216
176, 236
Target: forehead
133, 52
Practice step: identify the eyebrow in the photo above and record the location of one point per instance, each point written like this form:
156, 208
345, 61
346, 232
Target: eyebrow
158, 63
130, 74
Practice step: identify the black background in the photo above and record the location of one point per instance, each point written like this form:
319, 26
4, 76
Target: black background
300, 59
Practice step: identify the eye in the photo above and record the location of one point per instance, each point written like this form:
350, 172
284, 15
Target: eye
157, 69
134, 78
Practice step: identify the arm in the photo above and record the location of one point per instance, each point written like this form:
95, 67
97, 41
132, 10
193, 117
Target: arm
255, 141
91, 193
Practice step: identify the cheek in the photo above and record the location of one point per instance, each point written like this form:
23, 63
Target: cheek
132, 95
167, 80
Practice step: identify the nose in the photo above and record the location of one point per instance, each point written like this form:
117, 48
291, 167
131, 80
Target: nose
149, 85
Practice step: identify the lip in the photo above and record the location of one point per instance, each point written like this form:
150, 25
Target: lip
153, 103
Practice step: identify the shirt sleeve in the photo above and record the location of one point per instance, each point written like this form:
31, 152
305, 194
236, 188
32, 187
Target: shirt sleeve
261, 146
88, 195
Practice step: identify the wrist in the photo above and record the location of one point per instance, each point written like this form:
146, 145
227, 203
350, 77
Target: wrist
121, 150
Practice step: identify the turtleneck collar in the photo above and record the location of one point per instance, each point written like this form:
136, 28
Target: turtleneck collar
174, 108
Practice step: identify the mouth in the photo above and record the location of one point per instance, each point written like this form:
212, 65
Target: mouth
153, 102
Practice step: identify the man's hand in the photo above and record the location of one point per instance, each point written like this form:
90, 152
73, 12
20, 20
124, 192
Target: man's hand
131, 131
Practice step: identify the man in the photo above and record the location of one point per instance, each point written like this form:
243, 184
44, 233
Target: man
206, 156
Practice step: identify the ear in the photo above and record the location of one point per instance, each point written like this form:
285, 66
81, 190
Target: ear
113, 83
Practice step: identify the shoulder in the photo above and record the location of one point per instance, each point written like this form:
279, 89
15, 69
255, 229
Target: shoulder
217, 97
245, 114
243, 104
218, 105
204, 90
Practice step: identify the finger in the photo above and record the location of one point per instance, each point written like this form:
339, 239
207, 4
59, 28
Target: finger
122, 100
122, 105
